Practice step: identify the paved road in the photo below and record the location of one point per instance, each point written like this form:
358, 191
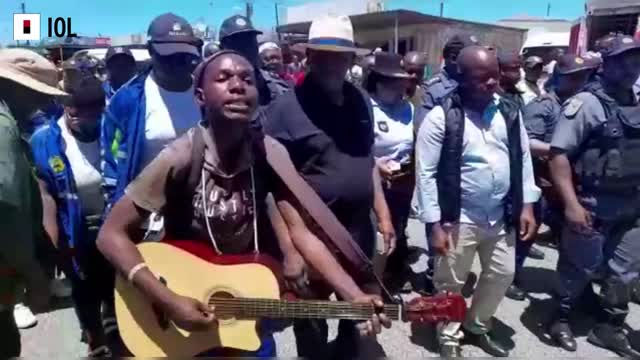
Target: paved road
57, 335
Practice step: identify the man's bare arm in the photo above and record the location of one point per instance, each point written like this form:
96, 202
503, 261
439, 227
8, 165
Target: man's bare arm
315, 252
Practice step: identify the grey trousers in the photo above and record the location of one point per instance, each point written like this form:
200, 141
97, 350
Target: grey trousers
496, 249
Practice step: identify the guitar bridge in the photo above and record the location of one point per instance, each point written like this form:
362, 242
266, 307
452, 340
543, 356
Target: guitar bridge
161, 317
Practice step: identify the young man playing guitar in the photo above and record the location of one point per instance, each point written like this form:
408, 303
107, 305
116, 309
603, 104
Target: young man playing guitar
220, 200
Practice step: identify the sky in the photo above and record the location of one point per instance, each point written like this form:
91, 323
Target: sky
121, 17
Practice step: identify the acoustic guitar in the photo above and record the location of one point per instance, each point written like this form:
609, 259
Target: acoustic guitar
243, 289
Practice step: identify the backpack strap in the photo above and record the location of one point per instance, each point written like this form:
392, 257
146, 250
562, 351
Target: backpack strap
449, 174
197, 158
178, 218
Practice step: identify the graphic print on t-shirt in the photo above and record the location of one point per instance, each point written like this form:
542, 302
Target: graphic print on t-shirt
229, 210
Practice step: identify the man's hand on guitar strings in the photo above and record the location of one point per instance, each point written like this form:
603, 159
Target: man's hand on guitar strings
374, 325
190, 314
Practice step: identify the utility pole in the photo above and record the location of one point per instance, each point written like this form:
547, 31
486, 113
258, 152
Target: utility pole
249, 9
441, 8
548, 9
275, 4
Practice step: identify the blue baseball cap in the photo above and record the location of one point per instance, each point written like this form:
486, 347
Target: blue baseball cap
171, 34
236, 24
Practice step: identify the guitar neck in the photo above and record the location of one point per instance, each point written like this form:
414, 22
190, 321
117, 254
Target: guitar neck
247, 308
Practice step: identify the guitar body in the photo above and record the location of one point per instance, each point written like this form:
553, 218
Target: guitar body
192, 269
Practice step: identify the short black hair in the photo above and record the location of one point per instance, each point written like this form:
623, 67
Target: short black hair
84, 90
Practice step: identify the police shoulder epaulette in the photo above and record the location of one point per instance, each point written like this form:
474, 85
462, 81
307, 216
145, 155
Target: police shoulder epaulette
541, 98
433, 80
571, 107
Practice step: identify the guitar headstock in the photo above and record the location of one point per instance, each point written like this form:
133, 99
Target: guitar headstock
443, 307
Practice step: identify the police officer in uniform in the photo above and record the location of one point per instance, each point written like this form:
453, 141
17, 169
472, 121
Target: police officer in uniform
445, 82
599, 134
540, 116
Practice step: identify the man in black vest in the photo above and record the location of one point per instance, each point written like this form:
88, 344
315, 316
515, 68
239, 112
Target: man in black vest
475, 189
598, 135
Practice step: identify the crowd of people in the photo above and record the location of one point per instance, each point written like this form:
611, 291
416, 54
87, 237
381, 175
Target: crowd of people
484, 153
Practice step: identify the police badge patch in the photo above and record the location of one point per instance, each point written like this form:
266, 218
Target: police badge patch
572, 107
383, 126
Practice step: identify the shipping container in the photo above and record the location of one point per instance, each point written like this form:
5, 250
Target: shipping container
603, 17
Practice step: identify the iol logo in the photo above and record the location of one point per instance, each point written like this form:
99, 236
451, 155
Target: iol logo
27, 27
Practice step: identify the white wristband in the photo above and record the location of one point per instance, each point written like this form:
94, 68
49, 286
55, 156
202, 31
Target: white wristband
134, 270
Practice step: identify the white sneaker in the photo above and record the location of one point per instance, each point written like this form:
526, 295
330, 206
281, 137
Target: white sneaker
23, 316
60, 288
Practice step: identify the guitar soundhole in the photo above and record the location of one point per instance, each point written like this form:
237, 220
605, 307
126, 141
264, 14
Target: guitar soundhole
221, 314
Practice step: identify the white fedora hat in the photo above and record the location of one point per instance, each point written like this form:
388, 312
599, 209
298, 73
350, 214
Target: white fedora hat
29, 69
333, 33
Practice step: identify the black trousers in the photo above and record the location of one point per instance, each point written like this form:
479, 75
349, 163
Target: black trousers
93, 292
10, 345
399, 204
312, 340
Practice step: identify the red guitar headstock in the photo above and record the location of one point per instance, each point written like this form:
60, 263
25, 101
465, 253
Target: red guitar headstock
444, 307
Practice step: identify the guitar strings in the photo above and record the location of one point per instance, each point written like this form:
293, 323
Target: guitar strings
300, 309
317, 308
320, 308
291, 306
302, 304
336, 305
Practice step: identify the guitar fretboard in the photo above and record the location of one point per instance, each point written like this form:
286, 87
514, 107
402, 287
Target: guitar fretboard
248, 308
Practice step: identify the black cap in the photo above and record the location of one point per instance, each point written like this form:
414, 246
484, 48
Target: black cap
618, 45
571, 63
170, 34
81, 82
198, 72
118, 51
81, 61
235, 25
459, 42
389, 65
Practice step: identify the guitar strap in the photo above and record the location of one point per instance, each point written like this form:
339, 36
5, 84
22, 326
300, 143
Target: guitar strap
278, 158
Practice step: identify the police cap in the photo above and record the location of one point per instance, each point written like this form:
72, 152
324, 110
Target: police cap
236, 24
619, 45
572, 63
